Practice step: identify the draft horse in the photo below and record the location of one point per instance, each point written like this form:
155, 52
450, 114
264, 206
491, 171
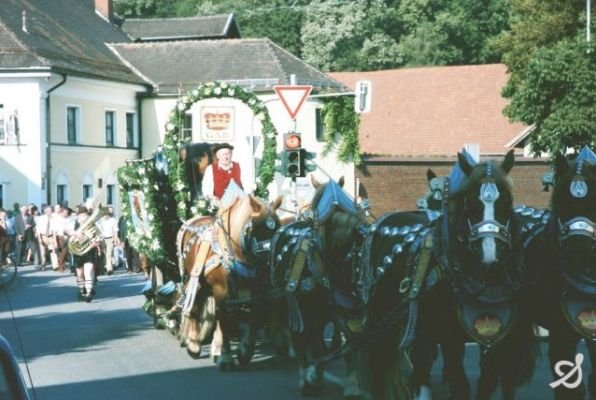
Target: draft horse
223, 258
470, 286
561, 259
313, 259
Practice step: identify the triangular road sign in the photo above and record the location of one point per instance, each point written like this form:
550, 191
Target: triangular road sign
292, 97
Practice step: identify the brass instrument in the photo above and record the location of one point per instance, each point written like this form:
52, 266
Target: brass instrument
87, 235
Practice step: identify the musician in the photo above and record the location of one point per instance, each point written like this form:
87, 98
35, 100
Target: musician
219, 174
84, 264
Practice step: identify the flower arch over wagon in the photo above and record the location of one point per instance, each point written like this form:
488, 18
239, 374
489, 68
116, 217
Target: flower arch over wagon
163, 186
173, 140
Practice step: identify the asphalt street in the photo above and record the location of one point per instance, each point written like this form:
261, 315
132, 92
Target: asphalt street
108, 349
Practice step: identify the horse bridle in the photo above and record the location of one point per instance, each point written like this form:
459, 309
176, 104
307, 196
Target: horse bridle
489, 228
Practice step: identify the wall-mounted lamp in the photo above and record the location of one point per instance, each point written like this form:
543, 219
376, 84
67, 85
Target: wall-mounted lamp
100, 183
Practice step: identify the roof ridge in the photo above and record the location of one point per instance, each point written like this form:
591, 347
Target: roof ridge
179, 18
303, 62
26, 48
131, 67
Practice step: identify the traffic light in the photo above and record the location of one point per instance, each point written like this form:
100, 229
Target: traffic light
292, 163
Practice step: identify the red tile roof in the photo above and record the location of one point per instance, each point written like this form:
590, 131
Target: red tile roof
434, 111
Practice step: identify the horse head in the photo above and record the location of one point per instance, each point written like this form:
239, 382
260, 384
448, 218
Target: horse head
248, 222
482, 210
574, 214
337, 216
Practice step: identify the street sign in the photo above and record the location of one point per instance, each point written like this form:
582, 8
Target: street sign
363, 96
292, 97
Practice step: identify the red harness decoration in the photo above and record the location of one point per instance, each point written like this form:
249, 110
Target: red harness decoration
222, 178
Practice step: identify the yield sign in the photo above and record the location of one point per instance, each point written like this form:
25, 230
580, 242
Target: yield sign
292, 97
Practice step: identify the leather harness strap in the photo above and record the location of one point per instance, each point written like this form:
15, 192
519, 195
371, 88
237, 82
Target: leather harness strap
422, 266
298, 265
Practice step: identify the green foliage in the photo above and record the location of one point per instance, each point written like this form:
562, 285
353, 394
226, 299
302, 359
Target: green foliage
147, 235
349, 36
536, 24
551, 85
341, 129
557, 94
450, 32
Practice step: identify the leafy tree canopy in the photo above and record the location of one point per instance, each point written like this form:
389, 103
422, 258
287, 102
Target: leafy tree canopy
558, 96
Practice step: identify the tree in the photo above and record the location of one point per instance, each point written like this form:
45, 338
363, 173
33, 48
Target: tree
349, 36
551, 83
437, 32
557, 94
536, 24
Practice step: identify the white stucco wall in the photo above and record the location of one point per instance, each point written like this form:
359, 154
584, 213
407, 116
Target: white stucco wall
22, 162
23, 167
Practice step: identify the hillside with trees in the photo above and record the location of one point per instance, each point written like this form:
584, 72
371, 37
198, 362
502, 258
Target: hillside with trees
552, 85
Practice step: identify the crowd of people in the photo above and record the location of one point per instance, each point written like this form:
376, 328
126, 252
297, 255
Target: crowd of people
40, 239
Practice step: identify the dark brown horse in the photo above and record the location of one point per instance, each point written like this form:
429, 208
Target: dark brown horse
211, 251
476, 299
561, 258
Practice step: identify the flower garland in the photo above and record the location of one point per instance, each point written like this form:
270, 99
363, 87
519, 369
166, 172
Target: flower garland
173, 141
146, 237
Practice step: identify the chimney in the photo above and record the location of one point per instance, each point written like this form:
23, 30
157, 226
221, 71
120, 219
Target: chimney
105, 9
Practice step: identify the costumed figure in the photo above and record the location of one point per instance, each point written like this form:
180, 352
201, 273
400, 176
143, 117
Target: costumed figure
219, 174
84, 245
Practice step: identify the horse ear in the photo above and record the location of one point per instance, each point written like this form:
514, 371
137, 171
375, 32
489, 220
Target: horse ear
255, 204
561, 164
430, 174
341, 182
508, 161
316, 184
464, 164
277, 203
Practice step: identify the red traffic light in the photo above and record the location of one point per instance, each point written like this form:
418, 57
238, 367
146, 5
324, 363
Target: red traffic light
292, 141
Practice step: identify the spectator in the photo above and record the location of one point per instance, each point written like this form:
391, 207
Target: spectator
20, 215
108, 226
128, 251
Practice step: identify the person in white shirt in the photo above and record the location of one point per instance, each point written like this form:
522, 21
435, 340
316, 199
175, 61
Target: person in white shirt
47, 239
108, 226
57, 223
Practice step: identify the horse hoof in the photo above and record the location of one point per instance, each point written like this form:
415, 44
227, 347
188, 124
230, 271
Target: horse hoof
225, 366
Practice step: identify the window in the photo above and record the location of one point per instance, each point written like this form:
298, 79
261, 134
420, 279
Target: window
187, 127
73, 116
61, 194
130, 130
110, 128
87, 192
320, 126
2, 134
110, 194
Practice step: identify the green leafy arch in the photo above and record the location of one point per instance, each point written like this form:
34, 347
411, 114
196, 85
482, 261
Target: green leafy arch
174, 140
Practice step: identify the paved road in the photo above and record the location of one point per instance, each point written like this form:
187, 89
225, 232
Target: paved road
108, 349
